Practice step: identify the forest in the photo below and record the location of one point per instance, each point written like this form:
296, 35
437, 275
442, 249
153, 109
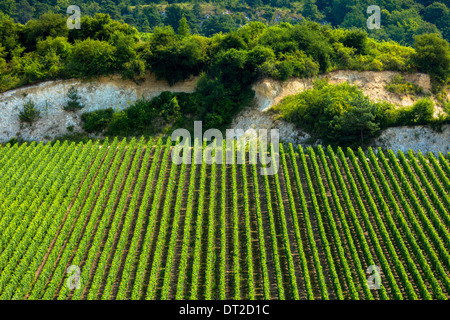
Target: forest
401, 19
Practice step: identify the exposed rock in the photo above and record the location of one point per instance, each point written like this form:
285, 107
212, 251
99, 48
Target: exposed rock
269, 92
416, 138
49, 97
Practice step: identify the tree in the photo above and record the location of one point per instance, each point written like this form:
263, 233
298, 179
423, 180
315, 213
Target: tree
30, 113
48, 25
74, 101
433, 56
8, 7
183, 27
356, 124
356, 39
174, 13
24, 11
311, 11
91, 57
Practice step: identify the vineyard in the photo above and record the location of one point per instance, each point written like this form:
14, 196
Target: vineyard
138, 226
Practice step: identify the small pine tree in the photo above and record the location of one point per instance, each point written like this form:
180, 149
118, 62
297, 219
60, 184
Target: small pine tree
74, 101
30, 113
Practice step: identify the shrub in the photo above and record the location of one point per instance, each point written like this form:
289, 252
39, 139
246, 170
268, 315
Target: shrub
91, 57
419, 113
97, 121
433, 56
73, 104
422, 111
399, 84
447, 108
30, 113
119, 124
356, 39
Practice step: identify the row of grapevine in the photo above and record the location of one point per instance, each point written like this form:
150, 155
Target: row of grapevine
334, 231
75, 175
308, 225
394, 232
293, 210
158, 250
131, 256
198, 231
435, 199
144, 255
284, 230
382, 231
210, 255
364, 243
262, 242
426, 224
87, 196
440, 172
27, 237
334, 276
137, 227
174, 234
417, 251
94, 161
181, 272
347, 232
273, 236
103, 259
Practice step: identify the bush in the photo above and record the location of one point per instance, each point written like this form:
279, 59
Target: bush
356, 39
399, 84
119, 124
419, 113
30, 113
91, 57
447, 109
73, 104
97, 121
433, 56
422, 111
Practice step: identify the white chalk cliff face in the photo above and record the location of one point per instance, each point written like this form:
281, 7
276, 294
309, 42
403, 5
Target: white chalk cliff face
50, 97
269, 92
113, 92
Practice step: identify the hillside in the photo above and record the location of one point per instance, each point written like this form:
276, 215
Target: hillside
141, 227
401, 19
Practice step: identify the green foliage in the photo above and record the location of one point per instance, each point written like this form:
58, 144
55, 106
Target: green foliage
419, 113
433, 56
74, 101
356, 39
183, 27
355, 126
29, 113
91, 57
176, 60
447, 109
399, 85
48, 25
422, 111
96, 121
144, 116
